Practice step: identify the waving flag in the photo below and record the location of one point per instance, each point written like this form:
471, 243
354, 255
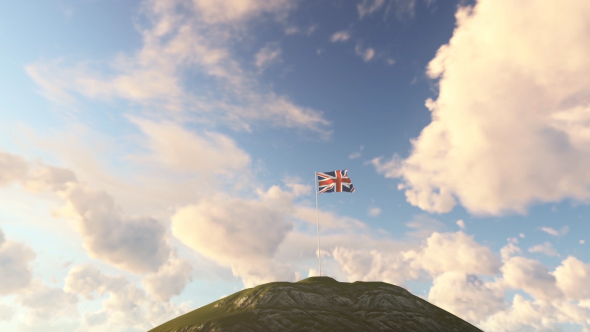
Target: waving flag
335, 181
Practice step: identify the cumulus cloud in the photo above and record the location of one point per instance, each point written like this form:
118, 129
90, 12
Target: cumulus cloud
199, 154
125, 305
374, 265
15, 269
87, 280
545, 248
340, 36
466, 295
532, 277
6, 313
138, 244
446, 252
169, 281
245, 237
573, 278
46, 302
510, 124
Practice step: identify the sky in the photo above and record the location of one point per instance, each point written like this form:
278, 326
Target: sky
157, 155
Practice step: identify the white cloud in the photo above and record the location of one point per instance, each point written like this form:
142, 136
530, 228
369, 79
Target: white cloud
87, 280
521, 235
228, 11
374, 265
545, 248
185, 151
245, 237
510, 124
573, 278
367, 54
531, 276
369, 6
582, 241
340, 36
268, 55
184, 42
423, 226
169, 281
45, 303
461, 224
466, 296
564, 230
125, 305
138, 244
374, 211
6, 313
356, 154
446, 252
15, 269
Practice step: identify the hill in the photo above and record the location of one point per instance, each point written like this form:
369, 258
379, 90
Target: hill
319, 304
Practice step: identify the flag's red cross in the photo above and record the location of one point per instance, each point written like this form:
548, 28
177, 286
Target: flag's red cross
333, 183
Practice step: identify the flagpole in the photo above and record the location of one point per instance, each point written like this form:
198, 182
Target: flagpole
315, 179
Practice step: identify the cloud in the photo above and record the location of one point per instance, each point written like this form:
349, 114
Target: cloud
183, 40
374, 211
531, 276
564, 230
374, 265
545, 248
86, 280
573, 278
45, 303
228, 11
137, 244
509, 126
245, 237
169, 281
356, 154
369, 6
15, 269
423, 226
340, 36
461, 224
125, 305
446, 252
466, 296
198, 154
367, 54
268, 55
6, 313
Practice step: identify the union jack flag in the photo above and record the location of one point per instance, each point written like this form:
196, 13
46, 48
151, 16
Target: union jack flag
335, 181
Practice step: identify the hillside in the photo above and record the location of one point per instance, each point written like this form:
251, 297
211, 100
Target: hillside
319, 304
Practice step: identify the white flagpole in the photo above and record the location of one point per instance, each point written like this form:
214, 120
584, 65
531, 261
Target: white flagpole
315, 179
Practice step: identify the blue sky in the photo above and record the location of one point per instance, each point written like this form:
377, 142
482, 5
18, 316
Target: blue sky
157, 155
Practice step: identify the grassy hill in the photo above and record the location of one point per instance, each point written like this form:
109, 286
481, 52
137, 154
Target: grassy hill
319, 304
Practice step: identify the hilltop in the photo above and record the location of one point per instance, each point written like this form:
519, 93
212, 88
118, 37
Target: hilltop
319, 304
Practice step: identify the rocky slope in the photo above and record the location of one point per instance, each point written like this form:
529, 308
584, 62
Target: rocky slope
319, 304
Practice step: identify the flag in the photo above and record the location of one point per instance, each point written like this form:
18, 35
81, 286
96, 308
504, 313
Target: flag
335, 181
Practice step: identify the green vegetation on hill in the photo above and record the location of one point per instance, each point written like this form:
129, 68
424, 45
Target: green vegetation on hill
318, 304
